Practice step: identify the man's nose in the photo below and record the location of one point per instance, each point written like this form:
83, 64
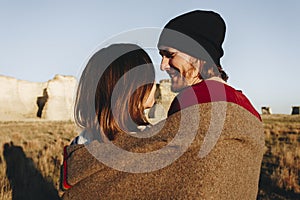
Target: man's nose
164, 65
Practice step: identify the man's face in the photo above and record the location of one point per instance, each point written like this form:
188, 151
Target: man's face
177, 64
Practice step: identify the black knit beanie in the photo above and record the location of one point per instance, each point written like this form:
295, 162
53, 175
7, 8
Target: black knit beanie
197, 33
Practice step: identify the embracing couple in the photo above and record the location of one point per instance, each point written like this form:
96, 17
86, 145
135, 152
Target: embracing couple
209, 147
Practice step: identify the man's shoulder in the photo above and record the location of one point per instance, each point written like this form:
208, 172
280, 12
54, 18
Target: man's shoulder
210, 91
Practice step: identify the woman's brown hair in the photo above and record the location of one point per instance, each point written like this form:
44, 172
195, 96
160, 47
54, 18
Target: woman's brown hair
112, 89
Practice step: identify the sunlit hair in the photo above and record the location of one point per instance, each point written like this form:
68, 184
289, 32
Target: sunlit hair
112, 89
208, 70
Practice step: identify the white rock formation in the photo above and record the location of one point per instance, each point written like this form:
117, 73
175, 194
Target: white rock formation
18, 98
164, 98
61, 92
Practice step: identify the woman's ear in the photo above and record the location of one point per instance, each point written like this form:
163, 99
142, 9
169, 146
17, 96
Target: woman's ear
151, 98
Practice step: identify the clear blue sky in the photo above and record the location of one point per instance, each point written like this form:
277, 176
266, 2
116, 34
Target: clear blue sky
42, 38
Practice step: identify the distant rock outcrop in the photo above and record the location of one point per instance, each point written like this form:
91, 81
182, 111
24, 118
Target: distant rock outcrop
295, 110
61, 91
163, 99
51, 100
54, 99
266, 110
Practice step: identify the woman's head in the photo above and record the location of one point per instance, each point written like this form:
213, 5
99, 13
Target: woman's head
113, 90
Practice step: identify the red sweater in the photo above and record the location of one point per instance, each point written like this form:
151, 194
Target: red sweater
210, 91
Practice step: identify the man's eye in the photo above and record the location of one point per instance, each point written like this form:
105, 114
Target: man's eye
167, 54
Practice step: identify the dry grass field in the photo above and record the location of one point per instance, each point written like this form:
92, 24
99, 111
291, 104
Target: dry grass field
31, 154
280, 170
